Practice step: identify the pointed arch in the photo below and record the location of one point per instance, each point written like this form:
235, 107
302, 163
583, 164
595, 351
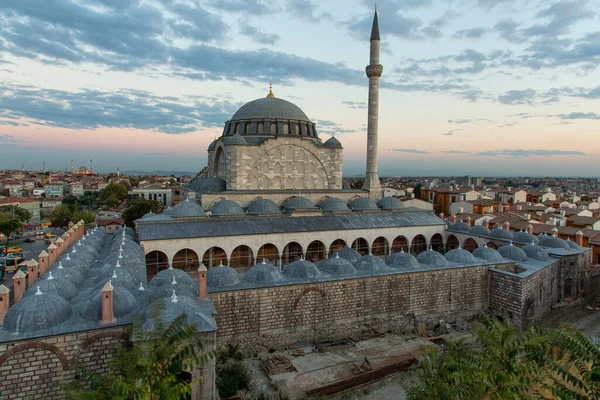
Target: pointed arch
470, 244
316, 251
156, 261
214, 256
291, 252
335, 246
242, 258
187, 260
380, 247
418, 245
452, 243
361, 245
400, 243
437, 243
268, 252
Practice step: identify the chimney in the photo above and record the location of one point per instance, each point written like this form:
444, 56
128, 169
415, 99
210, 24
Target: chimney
579, 238
453, 218
51, 253
43, 260
72, 237
32, 272
202, 282
442, 216
60, 244
469, 221
67, 240
19, 285
507, 226
107, 304
4, 298
486, 223
555, 232
526, 216
530, 229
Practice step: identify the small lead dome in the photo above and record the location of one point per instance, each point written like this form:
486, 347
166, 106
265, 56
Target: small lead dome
501, 233
402, 260
433, 258
334, 204
332, 142
123, 304
187, 208
362, 204
337, 265
263, 273
553, 242
512, 253
263, 207
536, 252
166, 277
391, 203
301, 269
298, 203
525, 237
349, 254
226, 208
37, 313
222, 276
488, 254
461, 226
61, 287
480, 230
371, 263
461, 256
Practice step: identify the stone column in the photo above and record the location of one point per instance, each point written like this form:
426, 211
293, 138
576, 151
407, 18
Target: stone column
107, 304
19, 285
202, 291
4, 299
43, 260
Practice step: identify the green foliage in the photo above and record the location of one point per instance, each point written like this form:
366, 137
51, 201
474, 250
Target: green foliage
12, 219
232, 374
84, 215
113, 194
138, 207
149, 368
22, 215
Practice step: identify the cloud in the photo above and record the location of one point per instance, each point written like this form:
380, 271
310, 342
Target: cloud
331, 128
517, 153
306, 10
252, 7
355, 104
508, 30
562, 16
413, 151
467, 121
512, 97
450, 133
91, 109
580, 115
258, 35
473, 33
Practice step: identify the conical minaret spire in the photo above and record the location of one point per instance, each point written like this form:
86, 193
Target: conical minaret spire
374, 71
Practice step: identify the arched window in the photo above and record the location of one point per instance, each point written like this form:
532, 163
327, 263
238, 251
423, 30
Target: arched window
437, 243
492, 245
286, 129
568, 288
268, 252
452, 243
242, 258
214, 256
470, 245
187, 260
220, 163
418, 245
380, 246
361, 245
291, 252
335, 246
297, 128
316, 251
260, 130
273, 129
400, 243
156, 261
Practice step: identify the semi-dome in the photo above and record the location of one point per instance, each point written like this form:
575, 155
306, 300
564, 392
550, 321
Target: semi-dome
333, 143
460, 256
235, 139
362, 204
334, 204
371, 263
166, 276
402, 260
553, 242
263, 207
349, 254
123, 304
301, 269
536, 252
501, 233
461, 226
61, 287
337, 265
225, 208
480, 230
525, 237
512, 252
390, 203
298, 203
37, 313
187, 208
433, 258
222, 276
263, 273
212, 145
269, 108
212, 184
488, 254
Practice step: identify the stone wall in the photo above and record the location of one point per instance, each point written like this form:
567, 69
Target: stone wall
284, 315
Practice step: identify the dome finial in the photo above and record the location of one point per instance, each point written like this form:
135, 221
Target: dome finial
271, 95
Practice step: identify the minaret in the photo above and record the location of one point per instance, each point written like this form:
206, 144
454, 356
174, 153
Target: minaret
44, 167
374, 70
118, 172
91, 167
72, 166
22, 167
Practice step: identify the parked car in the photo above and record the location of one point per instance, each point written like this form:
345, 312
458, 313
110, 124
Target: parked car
12, 264
29, 240
14, 250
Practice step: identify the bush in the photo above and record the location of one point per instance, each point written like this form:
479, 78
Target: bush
232, 378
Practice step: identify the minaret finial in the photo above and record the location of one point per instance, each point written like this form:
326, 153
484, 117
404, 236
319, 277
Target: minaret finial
270, 95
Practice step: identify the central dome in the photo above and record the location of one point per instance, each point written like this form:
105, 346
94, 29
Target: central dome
271, 108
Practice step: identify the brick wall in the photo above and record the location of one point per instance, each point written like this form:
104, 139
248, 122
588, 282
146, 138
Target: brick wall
34, 369
283, 315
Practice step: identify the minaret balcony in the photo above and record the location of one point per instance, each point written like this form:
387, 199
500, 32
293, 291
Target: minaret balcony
374, 70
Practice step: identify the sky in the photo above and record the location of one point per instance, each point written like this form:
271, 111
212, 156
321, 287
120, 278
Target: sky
477, 87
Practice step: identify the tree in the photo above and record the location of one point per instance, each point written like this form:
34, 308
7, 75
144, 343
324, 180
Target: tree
84, 215
149, 368
61, 216
417, 191
138, 207
12, 219
114, 194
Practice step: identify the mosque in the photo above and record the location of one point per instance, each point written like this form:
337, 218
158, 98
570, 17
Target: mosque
273, 249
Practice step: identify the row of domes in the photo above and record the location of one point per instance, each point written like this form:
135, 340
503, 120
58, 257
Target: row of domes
190, 208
